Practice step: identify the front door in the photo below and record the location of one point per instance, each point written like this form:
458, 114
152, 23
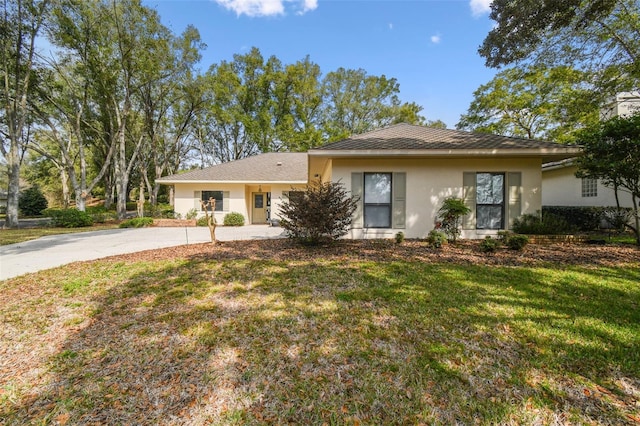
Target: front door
259, 214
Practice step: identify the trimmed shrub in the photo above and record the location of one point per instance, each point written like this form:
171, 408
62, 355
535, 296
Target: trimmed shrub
160, 211
233, 219
517, 242
577, 218
536, 224
192, 214
137, 222
99, 214
489, 245
400, 237
616, 218
32, 202
202, 221
436, 239
69, 218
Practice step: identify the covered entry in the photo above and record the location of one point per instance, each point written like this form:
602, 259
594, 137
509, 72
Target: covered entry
260, 207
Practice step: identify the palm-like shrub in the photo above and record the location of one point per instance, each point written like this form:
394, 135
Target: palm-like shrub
450, 215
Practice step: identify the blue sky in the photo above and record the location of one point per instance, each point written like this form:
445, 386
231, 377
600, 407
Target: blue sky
429, 46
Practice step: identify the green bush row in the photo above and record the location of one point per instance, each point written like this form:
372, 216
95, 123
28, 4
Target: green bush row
589, 218
137, 222
68, 218
509, 239
545, 224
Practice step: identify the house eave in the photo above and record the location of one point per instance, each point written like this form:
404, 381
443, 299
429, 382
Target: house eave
555, 165
548, 154
242, 182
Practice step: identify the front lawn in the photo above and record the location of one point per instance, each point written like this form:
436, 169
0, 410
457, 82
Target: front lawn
229, 335
19, 235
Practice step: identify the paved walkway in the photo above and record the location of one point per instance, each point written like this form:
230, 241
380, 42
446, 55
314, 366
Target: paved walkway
55, 250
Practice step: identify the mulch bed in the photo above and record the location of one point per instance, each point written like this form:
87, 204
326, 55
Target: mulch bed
463, 252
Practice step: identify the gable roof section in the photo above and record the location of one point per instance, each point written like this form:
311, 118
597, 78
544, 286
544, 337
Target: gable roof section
407, 139
272, 167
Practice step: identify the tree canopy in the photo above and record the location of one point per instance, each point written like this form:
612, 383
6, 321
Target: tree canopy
602, 36
611, 152
533, 102
120, 101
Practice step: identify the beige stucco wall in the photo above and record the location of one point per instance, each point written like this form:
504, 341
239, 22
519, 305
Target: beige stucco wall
239, 197
561, 187
429, 181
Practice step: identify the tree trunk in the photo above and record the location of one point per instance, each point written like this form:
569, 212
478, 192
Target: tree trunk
211, 218
66, 197
13, 190
141, 199
108, 189
636, 214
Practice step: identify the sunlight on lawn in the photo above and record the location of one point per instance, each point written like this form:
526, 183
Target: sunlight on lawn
313, 342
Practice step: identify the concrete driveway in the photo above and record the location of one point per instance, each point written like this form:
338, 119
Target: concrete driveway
55, 250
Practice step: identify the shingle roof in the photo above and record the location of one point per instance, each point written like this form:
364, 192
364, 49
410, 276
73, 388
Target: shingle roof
412, 137
270, 167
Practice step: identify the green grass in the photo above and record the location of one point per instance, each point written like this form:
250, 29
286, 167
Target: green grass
321, 342
13, 236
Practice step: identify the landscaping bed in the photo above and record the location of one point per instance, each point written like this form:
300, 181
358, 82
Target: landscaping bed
466, 252
168, 223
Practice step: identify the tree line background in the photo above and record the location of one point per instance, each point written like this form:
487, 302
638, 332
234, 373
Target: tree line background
120, 100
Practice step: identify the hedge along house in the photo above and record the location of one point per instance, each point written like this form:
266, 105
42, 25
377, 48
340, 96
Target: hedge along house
403, 173
254, 186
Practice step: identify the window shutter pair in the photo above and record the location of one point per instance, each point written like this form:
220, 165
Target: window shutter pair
514, 197
399, 194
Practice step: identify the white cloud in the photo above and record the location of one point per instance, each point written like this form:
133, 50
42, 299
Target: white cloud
435, 39
480, 7
308, 5
390, 26
266, 7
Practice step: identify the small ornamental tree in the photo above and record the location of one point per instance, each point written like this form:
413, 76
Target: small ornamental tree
611, 153
32, 202
450, 214
323, 211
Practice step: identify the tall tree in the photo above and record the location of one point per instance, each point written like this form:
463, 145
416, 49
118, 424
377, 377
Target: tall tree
22, 22
612, 153
601, 36
533, 102
300, 129
224, 127
170, 97
355, 102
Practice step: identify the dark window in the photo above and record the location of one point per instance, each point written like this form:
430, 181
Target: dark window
293, 196
377, 200
216, 195
490, 200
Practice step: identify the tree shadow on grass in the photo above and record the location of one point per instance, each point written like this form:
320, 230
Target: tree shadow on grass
254, 341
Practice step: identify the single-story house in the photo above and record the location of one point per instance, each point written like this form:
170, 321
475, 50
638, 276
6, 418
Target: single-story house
253, 186
401, 174
561, 187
